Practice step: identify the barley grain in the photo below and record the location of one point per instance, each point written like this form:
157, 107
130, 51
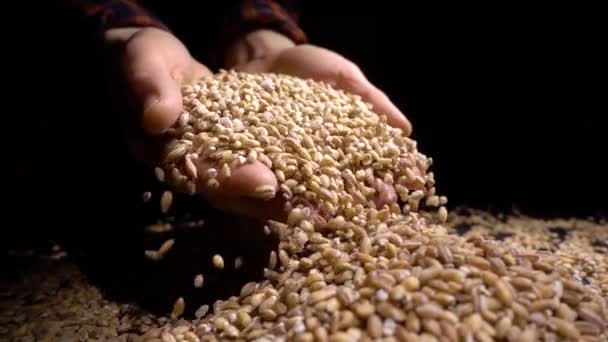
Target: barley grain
159, 228
166, 247
160, 174
218, 261
190, 167
178, 308
345, 265
374, 326
443, 214
199, 281
238, 262
152, 255
165, 201
265, 192
146, 196
201, 311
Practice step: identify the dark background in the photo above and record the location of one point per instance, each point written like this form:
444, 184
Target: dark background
510, 100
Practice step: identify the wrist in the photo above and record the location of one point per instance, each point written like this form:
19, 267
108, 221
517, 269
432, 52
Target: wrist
256, 45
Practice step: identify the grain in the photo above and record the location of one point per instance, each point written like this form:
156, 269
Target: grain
238, 262
201, 311
248, 289
503, 293
565, 328
165, 201
178, 308
272, 261
411, 283
190, 167
265, 192
159, 228
166, 247
364, 309
218, 261
152, 255
160, 174
374, 326
199, 281
146, 196
348, 268
443, 214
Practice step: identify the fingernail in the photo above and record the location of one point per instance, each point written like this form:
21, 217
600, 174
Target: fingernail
151, 117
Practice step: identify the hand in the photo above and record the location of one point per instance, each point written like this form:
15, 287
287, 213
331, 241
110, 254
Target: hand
154, 65
268, 51
273, 52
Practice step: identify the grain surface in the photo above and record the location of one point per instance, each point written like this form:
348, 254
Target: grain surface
367, 250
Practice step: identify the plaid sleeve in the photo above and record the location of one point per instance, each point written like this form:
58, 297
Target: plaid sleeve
104, 15
250, 15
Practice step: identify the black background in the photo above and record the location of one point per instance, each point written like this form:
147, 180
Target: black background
510, 101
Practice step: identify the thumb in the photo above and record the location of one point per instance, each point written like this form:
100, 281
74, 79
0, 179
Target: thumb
156, 94
236, 193
242, 181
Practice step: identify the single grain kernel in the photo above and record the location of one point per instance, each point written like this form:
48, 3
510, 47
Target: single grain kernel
199, 281
166, 247
165, 201
218, 261
178, 308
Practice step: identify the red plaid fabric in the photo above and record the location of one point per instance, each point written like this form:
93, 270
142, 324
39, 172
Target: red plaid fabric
246, 15
109, 14
259, 14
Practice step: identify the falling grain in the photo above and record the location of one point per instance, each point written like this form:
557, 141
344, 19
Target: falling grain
178, 308
166, 247
199, 281
160, 174
218, 261
146, 196
165, 201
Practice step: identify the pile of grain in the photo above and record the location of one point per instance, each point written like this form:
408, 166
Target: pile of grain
53, 301
358, 258
327, 149
578, 245
364, 252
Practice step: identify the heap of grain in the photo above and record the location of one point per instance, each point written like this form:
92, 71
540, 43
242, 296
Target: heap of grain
358, 259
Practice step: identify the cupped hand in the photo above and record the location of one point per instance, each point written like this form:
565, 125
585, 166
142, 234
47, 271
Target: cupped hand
309, 61
154, 66
267, 51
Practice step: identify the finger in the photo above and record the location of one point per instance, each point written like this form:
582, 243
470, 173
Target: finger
352, 80
325, 65
242, 182
235, 192
157, 94
194, 72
